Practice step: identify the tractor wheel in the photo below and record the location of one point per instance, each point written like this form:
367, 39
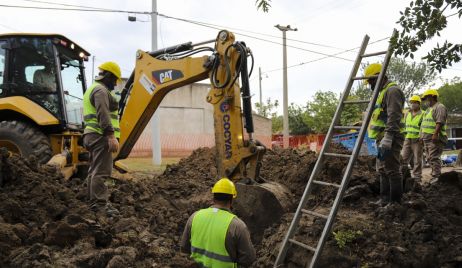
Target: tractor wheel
25, 139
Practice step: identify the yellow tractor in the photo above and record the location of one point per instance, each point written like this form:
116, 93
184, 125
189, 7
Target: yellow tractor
42, 85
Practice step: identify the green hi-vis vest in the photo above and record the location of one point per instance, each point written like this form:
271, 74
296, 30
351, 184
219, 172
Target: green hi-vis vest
429, 124
208, 235
89, 115
413, 125
379, 117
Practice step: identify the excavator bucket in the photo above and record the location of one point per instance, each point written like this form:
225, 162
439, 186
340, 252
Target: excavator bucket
261, 205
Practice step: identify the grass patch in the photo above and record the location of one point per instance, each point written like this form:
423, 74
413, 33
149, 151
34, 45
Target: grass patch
145, 165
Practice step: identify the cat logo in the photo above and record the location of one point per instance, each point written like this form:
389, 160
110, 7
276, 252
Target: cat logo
165, 76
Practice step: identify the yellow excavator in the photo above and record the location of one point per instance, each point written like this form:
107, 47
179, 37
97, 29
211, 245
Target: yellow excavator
43, 118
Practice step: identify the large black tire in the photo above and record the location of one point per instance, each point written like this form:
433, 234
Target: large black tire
28, 139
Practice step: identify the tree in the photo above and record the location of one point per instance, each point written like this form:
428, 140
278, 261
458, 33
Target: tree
276, 124
320, 111
297, 124
268, 109
421, 21
263, 4
450, 94
410, 76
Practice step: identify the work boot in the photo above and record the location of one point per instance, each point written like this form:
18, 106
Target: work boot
384, 192
434, 180
409, 184
396, 189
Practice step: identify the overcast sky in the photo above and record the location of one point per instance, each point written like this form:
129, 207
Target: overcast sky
331, 23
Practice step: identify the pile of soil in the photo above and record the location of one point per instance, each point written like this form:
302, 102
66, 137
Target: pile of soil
45, 221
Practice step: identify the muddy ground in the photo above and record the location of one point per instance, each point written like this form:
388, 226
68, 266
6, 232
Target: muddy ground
45, 221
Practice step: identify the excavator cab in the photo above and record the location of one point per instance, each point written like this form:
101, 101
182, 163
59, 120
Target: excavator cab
42, 83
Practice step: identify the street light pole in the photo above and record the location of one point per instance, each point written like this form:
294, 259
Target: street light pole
155, 120
259, 83
285, 113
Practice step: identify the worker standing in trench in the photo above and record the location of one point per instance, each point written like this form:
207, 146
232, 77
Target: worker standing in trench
214, 236
100, 110
412, 147
433, 131
387, 128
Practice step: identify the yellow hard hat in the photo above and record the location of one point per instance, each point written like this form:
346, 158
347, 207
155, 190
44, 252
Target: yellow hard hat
430, 92
225, 186
415, 98
111, 67
372, 69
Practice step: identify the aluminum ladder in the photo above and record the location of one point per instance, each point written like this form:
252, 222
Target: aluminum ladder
316, 250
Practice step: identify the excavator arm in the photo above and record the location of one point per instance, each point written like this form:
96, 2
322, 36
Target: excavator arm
157, 73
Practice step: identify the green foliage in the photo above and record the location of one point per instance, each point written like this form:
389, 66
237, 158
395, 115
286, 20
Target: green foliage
450, 94
297, 124
410, 76
276, 124
263, 5
267, 109
320, 111
345, 237
421, 21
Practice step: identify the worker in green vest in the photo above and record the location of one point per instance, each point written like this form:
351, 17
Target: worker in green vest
433, 131
100, 110
214, 236
413, 147
386, 127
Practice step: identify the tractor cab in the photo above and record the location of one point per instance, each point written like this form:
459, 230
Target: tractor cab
47, 69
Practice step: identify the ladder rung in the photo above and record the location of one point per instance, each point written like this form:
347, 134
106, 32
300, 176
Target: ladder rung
347, 127
356, 101
364, 77
374, 54
326, 183
302, 245
338, 155
306, 211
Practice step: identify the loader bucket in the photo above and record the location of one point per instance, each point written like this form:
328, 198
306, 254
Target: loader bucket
261, 205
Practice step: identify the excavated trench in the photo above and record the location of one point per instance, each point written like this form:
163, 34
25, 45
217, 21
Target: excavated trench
45, 220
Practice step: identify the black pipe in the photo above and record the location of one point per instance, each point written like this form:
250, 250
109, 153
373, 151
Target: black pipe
173, 49
245, 89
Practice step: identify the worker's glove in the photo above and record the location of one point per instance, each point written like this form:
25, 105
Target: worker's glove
385, 146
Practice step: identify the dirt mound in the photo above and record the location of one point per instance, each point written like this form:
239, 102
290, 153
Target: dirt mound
45, 221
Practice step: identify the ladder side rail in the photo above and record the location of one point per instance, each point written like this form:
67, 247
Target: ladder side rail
351, 162
285, 244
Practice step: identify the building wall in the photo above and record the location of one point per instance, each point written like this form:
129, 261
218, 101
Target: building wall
186, 122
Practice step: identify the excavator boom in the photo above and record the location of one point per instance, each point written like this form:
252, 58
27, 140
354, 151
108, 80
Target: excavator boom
238, 154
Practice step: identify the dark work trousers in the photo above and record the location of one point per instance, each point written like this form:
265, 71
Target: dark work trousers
100, 167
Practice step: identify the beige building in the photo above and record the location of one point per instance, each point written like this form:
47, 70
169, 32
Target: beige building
186, 123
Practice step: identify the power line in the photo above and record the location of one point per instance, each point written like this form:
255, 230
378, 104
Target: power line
97, 9
253, 37
322, 58
66, 5
90, 9
270, 35
79, 9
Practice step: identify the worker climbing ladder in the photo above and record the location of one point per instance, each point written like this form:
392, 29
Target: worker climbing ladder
289, 238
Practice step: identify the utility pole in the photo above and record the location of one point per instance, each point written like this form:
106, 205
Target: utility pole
259, 83
155, 120
285, 113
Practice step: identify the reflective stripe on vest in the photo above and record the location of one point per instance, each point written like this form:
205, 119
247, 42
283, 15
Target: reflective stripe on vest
208, 235
89, 115
379, 116
413, 125
429, 124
